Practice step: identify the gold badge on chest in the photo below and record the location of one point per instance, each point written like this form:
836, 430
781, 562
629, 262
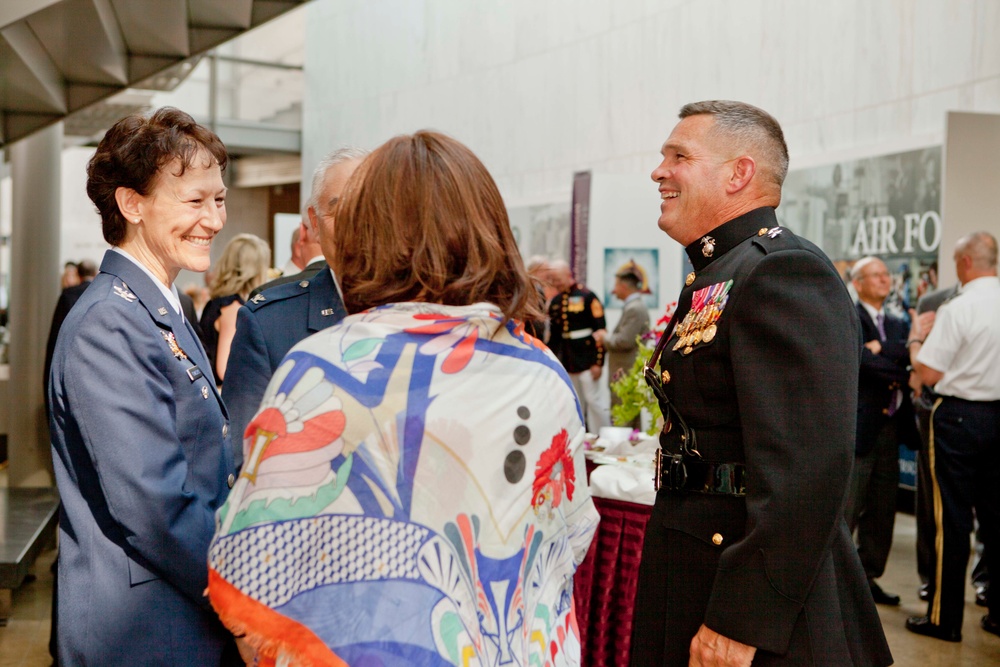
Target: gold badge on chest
698, 326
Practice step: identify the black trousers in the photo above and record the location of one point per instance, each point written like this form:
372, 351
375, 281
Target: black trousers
964, 456
871, 504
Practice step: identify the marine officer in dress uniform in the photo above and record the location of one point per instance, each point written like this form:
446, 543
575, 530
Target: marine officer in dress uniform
275, 319
747, 557
957, 351
575, 313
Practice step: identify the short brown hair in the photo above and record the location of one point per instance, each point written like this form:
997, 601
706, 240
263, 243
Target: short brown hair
132, 153
752, 128
422, 220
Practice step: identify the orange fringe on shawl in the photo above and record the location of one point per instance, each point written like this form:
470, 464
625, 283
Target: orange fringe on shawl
242, 614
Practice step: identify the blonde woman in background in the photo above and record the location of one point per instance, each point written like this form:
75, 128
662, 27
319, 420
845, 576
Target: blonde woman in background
242, 267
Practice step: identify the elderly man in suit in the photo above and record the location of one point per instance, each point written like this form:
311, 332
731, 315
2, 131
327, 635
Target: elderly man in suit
621, 343
278, 317
885, 419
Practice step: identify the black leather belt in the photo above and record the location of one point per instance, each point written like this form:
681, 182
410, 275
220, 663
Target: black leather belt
679, 472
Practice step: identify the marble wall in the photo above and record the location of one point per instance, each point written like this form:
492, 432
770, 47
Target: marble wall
542, 89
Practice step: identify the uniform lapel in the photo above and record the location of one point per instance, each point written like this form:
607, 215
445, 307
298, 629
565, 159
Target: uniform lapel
161, 311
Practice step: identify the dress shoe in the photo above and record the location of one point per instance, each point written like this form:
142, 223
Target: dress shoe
987, 623
881, 597
981, 590
922, 626
924, 592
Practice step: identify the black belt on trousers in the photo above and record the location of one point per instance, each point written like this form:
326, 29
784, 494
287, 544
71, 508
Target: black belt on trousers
679, 472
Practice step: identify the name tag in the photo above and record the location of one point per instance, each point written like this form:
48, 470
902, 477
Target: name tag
194, 373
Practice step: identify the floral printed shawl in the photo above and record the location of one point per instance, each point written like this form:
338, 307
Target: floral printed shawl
413, 493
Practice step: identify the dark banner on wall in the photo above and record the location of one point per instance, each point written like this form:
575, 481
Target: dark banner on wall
579, 223
888, 206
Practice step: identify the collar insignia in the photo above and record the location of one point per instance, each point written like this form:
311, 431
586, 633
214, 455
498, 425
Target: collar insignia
707, 246
259, 298
161, 310
773, 231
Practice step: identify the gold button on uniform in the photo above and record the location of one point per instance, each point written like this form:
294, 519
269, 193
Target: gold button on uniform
763, 230
231, 480
689, 279
665, 377
717, 539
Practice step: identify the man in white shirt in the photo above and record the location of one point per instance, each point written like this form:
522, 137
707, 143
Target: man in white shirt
957, 351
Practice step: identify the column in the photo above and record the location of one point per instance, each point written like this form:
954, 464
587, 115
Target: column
34, 288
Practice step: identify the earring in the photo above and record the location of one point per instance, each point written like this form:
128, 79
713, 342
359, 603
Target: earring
137, 220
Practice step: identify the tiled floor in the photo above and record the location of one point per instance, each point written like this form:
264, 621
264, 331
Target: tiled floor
24, 642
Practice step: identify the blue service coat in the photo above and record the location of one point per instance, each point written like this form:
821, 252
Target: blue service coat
143, 459
267, 327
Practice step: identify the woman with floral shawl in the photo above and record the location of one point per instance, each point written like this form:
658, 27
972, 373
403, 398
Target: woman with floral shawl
413, 490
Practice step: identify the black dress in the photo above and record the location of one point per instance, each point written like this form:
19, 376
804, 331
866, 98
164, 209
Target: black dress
209, 334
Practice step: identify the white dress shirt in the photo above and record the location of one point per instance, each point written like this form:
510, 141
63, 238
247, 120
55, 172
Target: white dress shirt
964, 342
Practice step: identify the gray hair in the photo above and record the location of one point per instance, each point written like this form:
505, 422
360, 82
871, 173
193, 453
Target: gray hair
336, 157
860, 265
981, 247
751, 128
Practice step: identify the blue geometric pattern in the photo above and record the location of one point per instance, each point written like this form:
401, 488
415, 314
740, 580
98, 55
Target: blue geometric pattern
263, 561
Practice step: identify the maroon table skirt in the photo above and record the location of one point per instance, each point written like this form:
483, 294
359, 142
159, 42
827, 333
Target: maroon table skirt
605, 583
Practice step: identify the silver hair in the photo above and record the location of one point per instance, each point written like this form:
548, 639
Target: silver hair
336, 157
752, 129
981, 247
860, 265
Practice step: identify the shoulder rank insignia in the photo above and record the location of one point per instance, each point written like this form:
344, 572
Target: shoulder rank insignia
773, 231
259, 298
175, 349
698, 326
123, 291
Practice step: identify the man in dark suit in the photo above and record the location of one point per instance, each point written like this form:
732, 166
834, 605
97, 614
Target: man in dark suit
885, 419
747, 556
67, 299
278, 317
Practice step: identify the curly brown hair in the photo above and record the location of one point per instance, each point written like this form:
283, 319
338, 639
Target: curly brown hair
133, 152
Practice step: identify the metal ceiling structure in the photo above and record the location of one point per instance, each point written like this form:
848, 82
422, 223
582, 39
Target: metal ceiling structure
60, 57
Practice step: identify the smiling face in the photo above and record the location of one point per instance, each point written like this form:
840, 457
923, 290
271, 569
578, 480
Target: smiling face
179, 218
692, 180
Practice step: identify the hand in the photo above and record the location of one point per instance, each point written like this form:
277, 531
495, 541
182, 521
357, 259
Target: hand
595, 372
247, 652
915, 384
874, 345
710, 649
926, 322
600, 335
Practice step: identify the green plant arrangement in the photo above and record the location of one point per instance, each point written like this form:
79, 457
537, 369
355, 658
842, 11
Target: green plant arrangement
631, 387
633, 391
